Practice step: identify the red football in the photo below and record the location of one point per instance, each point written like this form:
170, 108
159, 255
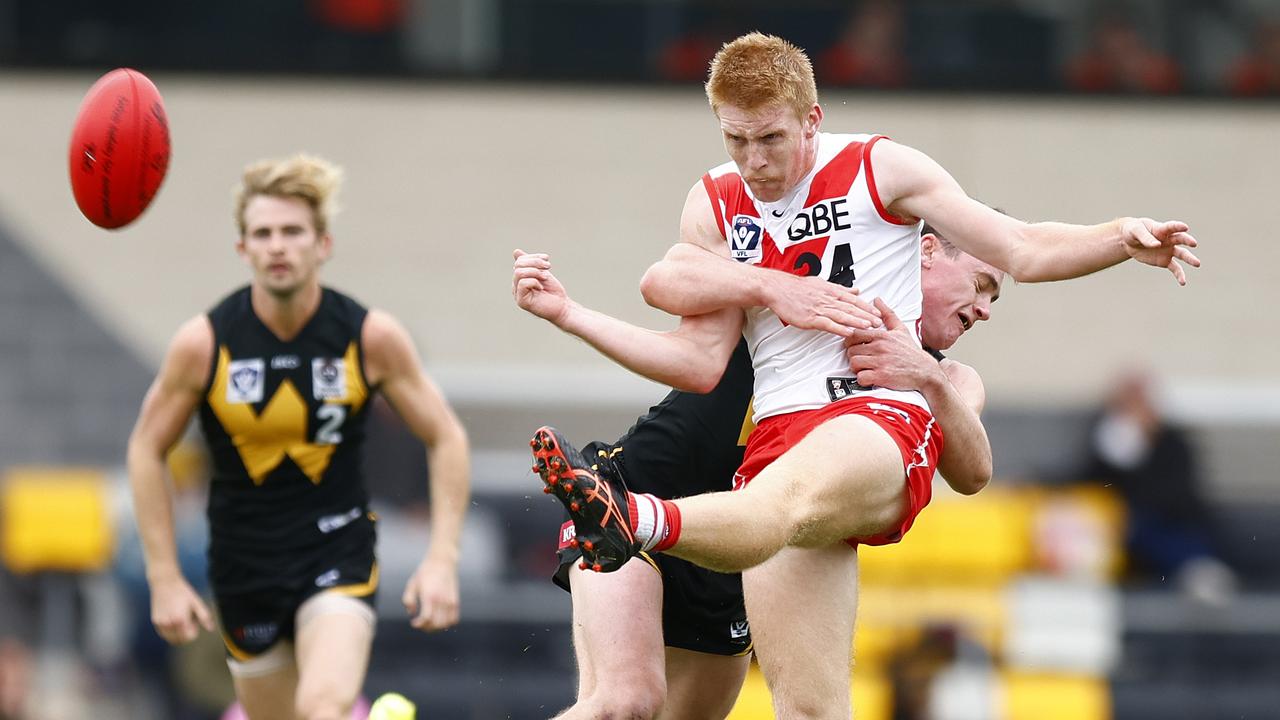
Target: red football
119, 148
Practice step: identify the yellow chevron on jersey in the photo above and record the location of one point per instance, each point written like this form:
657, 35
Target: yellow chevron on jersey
748, 424
263, 440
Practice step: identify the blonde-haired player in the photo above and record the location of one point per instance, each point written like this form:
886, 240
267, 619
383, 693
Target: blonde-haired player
281, 373
835, 460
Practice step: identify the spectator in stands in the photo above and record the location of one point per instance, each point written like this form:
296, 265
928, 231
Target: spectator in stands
687, 57
18, 606
869, 52
913, 668
1119, 59
1258, 72
357, 35
359, 16
1153, 466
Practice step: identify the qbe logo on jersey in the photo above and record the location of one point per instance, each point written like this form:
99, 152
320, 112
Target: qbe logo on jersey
744, 239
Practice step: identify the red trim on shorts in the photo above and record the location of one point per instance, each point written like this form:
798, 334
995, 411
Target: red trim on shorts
912, 428
714, 194
871, 185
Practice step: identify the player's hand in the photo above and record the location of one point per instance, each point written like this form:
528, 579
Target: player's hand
1160, 244
890, 356
177, 612
431, 597
812, 303
535, 289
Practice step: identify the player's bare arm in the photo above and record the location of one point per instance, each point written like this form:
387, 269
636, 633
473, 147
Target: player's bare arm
892, 358
912, 185
965, 462
692, 357
696, 276
431, 596
177, 611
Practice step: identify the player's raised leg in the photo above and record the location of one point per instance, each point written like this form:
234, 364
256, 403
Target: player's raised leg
617, 634
808, 664
844, 479
334, 635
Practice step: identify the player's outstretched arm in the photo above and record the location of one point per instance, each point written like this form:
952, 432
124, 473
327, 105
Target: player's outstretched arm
431, 595
892, 358
696, 277
692, 357
912, 185
177, 611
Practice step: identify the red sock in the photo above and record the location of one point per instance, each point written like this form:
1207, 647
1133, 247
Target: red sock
671, 533
655, 522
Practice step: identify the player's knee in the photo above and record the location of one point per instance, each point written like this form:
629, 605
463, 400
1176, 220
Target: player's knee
639, 702
637, 699
321, 704
816, 519
793, 707
808, 521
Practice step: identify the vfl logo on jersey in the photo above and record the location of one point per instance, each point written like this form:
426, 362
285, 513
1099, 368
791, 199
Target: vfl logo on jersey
328, 378
245, 380
739, 629
744, 239
285, 362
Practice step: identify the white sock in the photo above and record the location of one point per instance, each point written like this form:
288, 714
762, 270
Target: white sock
650, 520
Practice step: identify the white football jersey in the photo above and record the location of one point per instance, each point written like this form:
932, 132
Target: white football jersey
832, 225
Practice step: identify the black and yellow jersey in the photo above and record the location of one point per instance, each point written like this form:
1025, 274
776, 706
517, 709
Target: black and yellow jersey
285, 423
689, 443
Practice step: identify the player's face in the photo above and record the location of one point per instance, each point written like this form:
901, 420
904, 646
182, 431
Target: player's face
772, 147
281, 245
958, 293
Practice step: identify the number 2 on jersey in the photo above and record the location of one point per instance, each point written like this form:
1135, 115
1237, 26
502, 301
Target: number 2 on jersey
332, 415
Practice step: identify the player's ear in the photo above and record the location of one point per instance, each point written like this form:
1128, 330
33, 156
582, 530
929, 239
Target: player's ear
928, 246
813, 121
326, 246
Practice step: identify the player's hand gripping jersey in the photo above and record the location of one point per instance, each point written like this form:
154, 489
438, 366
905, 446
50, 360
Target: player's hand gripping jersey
832, 225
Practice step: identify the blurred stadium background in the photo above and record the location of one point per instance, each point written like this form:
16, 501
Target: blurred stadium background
470, 127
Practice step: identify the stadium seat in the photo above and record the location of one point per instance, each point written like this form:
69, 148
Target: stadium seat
54, 519
1055, 697
982, 540
891, 618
